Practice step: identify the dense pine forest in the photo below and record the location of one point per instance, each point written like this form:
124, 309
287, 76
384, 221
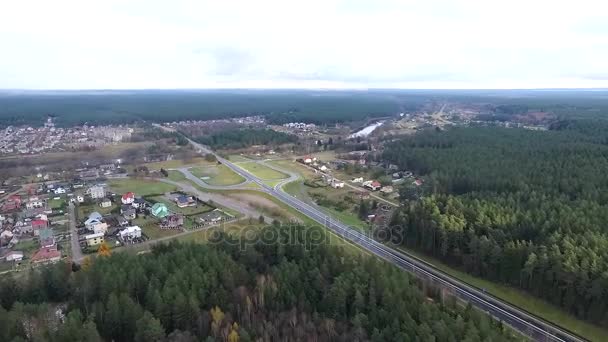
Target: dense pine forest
239, 138
526, 208
223, 292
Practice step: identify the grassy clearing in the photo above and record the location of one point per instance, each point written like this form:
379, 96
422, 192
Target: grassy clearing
262, 172
523, 300
217, 175
176, 176
141, 187
237, 158
56, 204
85, 210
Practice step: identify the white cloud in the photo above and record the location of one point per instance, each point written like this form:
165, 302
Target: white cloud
314, 43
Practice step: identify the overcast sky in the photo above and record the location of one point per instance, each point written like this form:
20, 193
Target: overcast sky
92, 44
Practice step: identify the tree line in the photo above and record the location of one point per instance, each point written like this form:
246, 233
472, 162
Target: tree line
284, 289
520, 207
246, 137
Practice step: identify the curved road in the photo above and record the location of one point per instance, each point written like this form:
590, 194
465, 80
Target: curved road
520, 320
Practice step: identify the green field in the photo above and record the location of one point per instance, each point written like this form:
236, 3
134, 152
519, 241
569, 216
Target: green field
262, 172
56, 204
141, 187
176, 176
235, 158
217, 175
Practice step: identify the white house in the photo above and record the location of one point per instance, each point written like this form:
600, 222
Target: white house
337, 184
79, 199
14, 256
105, 203
323, 168
98, 227
128, 198
357, 180
94, 239
97, 192
130, 233
33, 204
59, 190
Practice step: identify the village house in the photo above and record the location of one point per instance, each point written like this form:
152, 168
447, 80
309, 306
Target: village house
337, 184
357, 180
139, 203
15, 256
105, 203
172, 221
46, 255
98, 227
80, 199
159, 210
34, 203
94, 239
129, 214
128, 198
212, 217
38, 225
309, 159
97, 192
130, 233
183, 201
58, 191
372, 185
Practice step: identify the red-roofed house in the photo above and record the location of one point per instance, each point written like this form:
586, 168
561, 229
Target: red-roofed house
37, 225
375, 185
128, 198
46, 255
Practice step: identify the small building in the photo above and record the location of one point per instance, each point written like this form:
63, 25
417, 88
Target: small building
94, 218
212, 217
15, 256
47, 239
172, 221
130, 233
139, 203
386, 189
130, 214
372, 185
417, 182
323, 168
105, 203
159, 210
80, 199
46, 255
38, 225
309, 159
94, 239
184, 201
98, 227
97, 192
337, 184
59, 190
128, 198
34, 203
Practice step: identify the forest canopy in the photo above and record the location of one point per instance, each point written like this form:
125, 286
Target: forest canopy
521, 207
221, 292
